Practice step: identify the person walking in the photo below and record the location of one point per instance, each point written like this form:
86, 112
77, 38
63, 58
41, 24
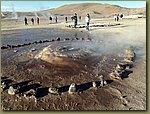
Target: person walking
32, 20
118, 17
75, 20
56, 19
26, 21
66, 19
50, 18
38, 20
80, 18
87, 20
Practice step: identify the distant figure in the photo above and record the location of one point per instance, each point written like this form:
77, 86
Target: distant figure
75, 20
121, 16
72, 18
80, 18
26, 21
115, 17
32, 20
118, 17
38, 20
56, 19
87, 20
66, 19
50, 18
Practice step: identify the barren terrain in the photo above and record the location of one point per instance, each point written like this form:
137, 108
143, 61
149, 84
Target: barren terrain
90, 54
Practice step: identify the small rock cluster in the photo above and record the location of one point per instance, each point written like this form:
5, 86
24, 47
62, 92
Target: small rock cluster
123, 67
53, 90
72, 88
98, 25
130, 55
39, 42
101, 84
12, 90
3, 86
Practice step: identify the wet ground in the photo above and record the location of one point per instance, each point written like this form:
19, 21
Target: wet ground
103, 53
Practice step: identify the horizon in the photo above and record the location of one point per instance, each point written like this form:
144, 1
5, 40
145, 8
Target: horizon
27, 6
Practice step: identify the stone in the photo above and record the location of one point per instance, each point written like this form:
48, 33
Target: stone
53, 90
105, 82
33, 49
114, 76
3, 86
89, 39
72, 88
58, 39
130, 54
101, 80
118, 72
120, 67
77, 38
128, 60
66, 39
94, 84
127, 67
31, 92
40, 41
114, 59
15, 51
12, 91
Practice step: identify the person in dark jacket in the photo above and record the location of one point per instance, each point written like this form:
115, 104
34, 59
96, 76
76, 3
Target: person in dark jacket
50, 18
66, 19
32, 20
38, 20
80, 18
118, 17
56, 19
26, 21
75, 20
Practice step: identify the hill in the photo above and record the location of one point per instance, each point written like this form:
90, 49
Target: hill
94, 9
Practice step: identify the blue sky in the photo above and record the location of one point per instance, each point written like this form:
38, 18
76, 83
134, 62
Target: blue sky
41, 5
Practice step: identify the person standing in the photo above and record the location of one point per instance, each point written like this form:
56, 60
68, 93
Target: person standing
115, 17
87, 20
72, 18
38, 20
66, 19
75, 20
50, 18
118, 17
32, 20
26, 21
56, 19
121, 16
80, 18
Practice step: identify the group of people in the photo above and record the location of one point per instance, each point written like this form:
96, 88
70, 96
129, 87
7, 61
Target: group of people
74, 18
87, 20
56, 19
32, 20
117, 17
